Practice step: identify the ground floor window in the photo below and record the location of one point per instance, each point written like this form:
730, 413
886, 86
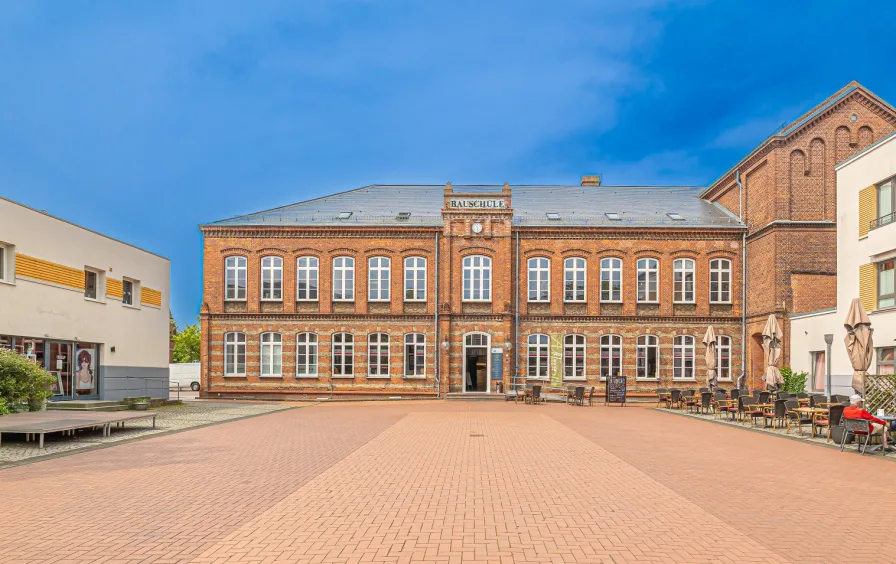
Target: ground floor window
235, 354
574, 357
306, 354
414, 354
343, 354
723, 360
74, 365
648, 357
818, 370
378, 354
683, 358
886, 363
271, 354
538, 357
610, 356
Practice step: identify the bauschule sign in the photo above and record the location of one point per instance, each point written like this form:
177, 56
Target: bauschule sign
476, 203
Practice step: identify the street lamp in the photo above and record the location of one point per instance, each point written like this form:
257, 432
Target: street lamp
829, 339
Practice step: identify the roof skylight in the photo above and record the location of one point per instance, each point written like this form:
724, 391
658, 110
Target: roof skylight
553, 216
675, 217
344, 215
613, 216
403, 215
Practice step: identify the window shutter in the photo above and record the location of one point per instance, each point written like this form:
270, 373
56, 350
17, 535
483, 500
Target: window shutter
868, 286
867, 208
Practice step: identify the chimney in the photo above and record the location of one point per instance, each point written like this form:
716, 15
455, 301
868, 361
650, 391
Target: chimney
591, 180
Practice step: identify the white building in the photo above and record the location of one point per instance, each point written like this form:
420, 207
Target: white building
91, 309
866, 250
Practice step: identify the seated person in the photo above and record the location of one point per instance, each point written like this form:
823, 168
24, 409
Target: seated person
856, 410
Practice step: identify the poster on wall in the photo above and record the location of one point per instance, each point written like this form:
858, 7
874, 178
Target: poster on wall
85, 369
556, 361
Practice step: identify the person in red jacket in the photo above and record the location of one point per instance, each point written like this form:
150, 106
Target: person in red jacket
857, 411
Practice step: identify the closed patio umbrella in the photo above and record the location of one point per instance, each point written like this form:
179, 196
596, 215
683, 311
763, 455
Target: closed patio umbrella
711, 360
859, 344
771, 344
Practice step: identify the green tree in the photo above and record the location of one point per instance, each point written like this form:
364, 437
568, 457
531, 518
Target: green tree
186, 344
23, 383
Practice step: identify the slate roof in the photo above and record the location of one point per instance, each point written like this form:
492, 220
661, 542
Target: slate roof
379, 204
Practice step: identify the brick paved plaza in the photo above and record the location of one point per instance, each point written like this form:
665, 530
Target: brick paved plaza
450, 482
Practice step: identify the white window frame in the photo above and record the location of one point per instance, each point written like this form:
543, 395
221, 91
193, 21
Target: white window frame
270, 349
719, 273
414, 275
572, 343
99, 285
682, 288
345, 344
272, 275
612, 343
648, 267
477, 278
415, 346
539, 343
235, 267
135, 292
683, 348
572, 271
539, 276
881, 296
310, 342
309, 273
643, 346
7, 263
610, 268
723, 342
233, 342
343, 279
379, 275
376, 344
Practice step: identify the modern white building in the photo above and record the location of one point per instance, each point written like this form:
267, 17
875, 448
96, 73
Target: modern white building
91, 309
866, 251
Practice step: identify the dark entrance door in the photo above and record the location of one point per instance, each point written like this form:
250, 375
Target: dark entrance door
476, 378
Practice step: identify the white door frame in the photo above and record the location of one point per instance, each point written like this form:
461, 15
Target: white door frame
488, 361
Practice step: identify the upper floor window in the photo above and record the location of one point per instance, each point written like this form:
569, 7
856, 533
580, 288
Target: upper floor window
683, 358
886, 288
378, 354
235, 354
378, 279
477, 278
886, 202
343, 354
6, 262
306, 354
574, 280
574, 357
720, 281
414, 354
611, 280
539, 279
415, 279
130, 291
272, 278
683, 281
235, 278
723, 352
306, 278
343, 279
271, 354
648, 280
610, 356
538, 353
94, 284
648, 357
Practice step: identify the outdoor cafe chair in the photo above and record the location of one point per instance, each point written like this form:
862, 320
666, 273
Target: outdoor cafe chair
796, 417
777, 414
756, 394
591, 396
705, 402
735, 393
536, 394
579, 396
816, 399
835, 422
722, 404
784, 395
751, 411
857, 428
803, 395
662, 396
823, 420
840, 399
675, 397
689, 399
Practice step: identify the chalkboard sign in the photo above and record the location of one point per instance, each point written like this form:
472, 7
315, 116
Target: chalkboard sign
616, 388
497, 364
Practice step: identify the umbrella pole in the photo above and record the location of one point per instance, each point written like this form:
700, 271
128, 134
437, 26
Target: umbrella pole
829, 339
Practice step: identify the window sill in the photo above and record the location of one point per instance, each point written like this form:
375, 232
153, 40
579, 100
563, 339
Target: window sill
720, 303
420, 301
538, 301
683, 303
307, 376
885, 309
342, 376
271, 300
243, 300
234, 375
271, 376
611, 301
377, 376
378, 301
94, 300
8, 282
129, 306
684, 379
575, 379
307, 300
538, 378
647, 379
414, 377
344, 301
476, 301
654, 302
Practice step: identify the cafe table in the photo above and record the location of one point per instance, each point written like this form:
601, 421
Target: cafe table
889, 419
812, 412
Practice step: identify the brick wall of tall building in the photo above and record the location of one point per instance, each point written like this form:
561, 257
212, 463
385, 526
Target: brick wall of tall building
812, 292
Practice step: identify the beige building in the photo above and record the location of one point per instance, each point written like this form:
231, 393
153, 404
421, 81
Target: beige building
866, 252
91, 309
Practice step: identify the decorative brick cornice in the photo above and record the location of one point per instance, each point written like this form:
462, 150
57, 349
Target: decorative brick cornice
684, 253
531, 252
781, 225
638, 319
571, 253
648, 253
475, 250
307, 251
231, 250
320, 317
415, 251
342, 232
721, 253
271, 250
379, 251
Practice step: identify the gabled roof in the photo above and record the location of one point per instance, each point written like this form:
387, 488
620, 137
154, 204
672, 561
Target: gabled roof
577, 206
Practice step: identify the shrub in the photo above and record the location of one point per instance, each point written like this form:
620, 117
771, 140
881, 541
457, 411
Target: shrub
794, 382
22, 383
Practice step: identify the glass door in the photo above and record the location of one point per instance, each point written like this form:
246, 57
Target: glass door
59, 364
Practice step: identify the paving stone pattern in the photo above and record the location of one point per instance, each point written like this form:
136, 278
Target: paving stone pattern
448, 482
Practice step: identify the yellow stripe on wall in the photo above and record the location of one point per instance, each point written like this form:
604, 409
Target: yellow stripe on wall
114, 288
151, 297
47, 271
868, 286
867, 208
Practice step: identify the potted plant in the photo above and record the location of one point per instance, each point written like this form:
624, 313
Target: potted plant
140, 404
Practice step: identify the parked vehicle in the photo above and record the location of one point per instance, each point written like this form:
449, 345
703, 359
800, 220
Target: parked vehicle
185, 374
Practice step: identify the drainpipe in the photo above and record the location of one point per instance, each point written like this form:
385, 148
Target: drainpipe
516, 316
743, 282
436, 322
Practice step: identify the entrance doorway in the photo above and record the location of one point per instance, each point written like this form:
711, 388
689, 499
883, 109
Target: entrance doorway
476, 362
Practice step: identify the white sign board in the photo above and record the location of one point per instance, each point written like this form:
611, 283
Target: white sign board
476, 203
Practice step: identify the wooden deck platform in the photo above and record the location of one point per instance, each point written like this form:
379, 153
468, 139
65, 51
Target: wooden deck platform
42, 422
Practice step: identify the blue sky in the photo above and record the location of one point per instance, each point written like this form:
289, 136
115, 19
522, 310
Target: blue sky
143, 120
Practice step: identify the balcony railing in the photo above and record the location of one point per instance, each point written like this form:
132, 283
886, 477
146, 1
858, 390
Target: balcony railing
883, 220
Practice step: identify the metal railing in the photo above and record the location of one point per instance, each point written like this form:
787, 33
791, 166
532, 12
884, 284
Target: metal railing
883, 220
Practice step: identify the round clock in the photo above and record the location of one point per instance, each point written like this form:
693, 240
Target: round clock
477, 228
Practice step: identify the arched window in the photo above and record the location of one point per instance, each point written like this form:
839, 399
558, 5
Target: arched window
343, 279
723, 352
683, 358
415, 355
343, 355
539, 348
272, 279
610, 356
306, 354
306, 279
235, 354
720, 281
378, 270
574, 357
539, 279
648, 357
683, 281
648, 280
378, 355
477, 272
271, 354
415, 279
611, 280
574, 279
235, 278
